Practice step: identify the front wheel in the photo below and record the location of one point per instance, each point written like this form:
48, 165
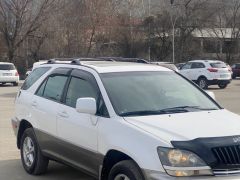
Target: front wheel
32, 159
222, 86
125, 170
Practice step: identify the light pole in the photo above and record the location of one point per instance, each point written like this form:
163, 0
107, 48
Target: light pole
173, 21
149, 31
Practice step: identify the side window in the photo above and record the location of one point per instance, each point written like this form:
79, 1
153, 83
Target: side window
197, 65
187, 66
33, 77
41, 89
80, 88
238, 66
53, 87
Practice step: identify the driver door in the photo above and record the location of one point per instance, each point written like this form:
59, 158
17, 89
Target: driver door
79, 131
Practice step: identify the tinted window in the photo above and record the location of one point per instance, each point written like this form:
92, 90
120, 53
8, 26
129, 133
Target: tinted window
54, 87
80, 88
197, 65
41, 89
7, 67
34, 76
218, 65
238, 66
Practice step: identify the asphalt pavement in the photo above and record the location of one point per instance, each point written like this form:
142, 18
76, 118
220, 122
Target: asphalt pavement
10, 164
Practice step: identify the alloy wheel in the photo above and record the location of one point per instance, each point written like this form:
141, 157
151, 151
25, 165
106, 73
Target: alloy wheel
28, 152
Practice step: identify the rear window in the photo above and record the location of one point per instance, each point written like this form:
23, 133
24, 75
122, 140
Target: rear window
7, 67
218, 65
34, 76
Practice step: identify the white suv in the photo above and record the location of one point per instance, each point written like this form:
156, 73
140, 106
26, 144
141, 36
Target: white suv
129, 121
8, 74
207, 72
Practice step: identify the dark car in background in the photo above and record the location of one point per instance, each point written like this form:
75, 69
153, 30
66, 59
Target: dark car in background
236, 70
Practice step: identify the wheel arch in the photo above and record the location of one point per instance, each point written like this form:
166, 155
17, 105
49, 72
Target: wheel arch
24, 124
111, 158
202, 76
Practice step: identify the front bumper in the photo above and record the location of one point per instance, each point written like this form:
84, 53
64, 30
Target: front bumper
157, 175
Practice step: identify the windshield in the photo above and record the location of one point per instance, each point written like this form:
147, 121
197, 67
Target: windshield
148, 93
218, 65
7, 67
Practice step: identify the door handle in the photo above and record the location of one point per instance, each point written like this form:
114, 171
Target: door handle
34, 104
63, 114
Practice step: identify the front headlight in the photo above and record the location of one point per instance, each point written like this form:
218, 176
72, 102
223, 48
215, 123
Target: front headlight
182, 163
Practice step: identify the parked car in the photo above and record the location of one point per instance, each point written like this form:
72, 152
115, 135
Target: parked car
180, 65
127, 121
8, 74
236, 70
207, 72
168, 65
28, 71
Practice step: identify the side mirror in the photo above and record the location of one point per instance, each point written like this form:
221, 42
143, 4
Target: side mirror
211, 94
86, 106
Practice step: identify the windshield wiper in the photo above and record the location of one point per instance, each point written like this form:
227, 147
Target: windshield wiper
188, 107
153, 112
179, 109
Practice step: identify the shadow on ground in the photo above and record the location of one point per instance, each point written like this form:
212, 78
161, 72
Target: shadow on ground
12, 170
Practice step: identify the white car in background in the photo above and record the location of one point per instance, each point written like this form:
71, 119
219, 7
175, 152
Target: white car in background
35, 65
207, 72
8, 74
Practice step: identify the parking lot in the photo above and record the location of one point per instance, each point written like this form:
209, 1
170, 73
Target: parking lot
10, 165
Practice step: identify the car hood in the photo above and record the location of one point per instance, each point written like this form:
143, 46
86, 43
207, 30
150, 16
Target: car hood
189, 126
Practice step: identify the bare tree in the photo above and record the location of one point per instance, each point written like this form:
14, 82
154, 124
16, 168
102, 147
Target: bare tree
21, 18
226, 29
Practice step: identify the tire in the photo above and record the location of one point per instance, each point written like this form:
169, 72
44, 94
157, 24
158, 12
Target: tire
125, 170
233, 77
222, 86
34, 163
15, 84
202, 83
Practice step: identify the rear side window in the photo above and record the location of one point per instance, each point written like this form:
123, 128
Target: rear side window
7, 67
197, 65
218, 65
53, 87
34, 76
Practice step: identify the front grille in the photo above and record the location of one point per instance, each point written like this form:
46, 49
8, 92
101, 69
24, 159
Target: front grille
229, 155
